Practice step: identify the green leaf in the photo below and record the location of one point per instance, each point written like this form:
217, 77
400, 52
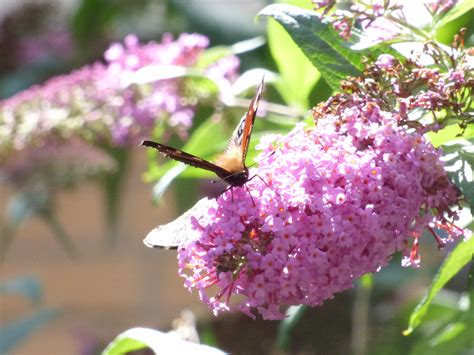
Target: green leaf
452, 338
456, 11
123, 344
449, 333
162, 185
318, 41
212, 55
161, 343
470, 288
91, 19
459, 162
456, 260
449, 133
27, 286
367, 281
298, 75
14, 333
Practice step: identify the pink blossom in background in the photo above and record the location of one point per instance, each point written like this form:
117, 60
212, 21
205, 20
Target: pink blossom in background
54, 42
342, 198
95, 104
381, 20
55, 163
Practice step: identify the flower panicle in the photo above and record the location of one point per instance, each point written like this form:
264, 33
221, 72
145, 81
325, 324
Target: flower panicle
379, 20
407, 87
99, 104
342, 198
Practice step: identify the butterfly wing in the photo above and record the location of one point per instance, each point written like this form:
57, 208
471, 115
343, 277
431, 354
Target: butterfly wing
187, 158
241, 136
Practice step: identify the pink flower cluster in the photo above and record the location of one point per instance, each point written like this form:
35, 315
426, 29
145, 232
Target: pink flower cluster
95, 98
338, 200
379, 19
101, 105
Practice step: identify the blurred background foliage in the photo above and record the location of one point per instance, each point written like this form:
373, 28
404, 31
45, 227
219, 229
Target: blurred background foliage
40, 39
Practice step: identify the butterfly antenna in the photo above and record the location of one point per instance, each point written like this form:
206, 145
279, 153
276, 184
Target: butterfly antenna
266, 157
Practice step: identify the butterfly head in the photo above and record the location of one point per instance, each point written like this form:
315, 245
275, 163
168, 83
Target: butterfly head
239, 178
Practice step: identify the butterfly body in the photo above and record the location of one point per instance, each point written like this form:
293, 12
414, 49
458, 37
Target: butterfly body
230, 165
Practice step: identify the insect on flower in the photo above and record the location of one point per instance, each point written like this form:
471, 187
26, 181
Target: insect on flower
230, 165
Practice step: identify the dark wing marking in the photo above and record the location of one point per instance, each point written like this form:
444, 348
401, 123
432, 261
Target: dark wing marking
241, 135
187, 158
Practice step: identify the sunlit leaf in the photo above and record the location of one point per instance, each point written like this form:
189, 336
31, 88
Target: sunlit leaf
449, 133
162, 185
456, 11
161, 343
459, 163
450, 332
297, 75
456, 260
318, 41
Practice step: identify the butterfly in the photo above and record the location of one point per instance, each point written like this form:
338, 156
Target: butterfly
230, 165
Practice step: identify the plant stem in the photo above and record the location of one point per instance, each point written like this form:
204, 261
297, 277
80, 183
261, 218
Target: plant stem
360, 315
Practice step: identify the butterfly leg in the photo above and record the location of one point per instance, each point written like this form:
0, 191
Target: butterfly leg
266, 183
248, 190
231, 188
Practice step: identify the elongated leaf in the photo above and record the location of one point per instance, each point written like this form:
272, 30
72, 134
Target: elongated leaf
318, 41
14, 333
212, 55
27, 286
297, 75
161, 343
162, 185
449, 333
459, 257
456, 11
449, 133
459, 157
